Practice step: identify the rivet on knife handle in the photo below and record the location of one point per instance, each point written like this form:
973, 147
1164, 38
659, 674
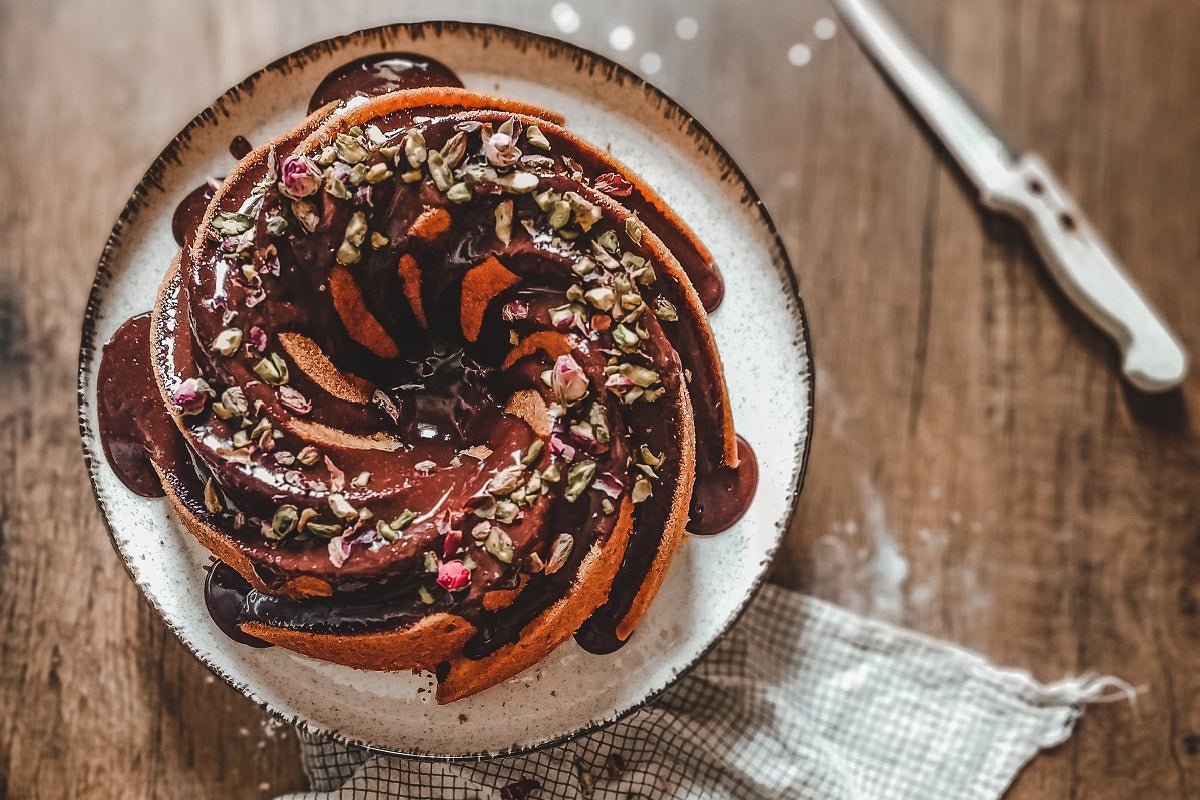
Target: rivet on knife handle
1090, 275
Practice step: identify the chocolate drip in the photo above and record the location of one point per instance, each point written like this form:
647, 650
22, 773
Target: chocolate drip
226, 595
132, 420
240, 147
190, 211
723, 495
379, 74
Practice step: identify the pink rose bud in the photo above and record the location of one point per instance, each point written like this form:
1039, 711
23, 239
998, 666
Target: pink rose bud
453, 575
191, 395
501, 150
568, 380
299, 177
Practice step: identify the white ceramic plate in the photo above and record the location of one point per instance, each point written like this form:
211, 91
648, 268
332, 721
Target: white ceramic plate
760, 329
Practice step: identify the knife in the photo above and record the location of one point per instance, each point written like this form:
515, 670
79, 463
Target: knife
1153, 360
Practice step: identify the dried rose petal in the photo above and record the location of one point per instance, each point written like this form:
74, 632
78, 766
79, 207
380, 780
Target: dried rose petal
613, 185
294, 400
560, 448
517, 309
257, 340
339, 550
453, 575
451, 544
610, 484
501, 150
191, 395
568, 380
299, 177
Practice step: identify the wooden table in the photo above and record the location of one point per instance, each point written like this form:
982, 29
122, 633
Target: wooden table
978, 471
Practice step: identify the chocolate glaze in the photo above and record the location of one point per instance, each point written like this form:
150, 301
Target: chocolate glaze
436, 395
722, 496
381, 73
189, 212
225, 595
240, 147
130, 408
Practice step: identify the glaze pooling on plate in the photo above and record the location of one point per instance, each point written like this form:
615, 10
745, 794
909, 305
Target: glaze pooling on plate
672, 153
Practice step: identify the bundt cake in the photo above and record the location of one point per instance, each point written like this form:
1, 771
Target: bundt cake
439, 385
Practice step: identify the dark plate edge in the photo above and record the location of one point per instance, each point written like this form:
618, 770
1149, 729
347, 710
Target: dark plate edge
418, 30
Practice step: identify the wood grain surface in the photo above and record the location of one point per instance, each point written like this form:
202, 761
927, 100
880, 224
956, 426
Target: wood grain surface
978, 472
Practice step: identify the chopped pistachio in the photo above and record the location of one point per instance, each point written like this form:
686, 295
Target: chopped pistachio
378, 240
432, 562
634, 229
579, 478
349, 149
232, 223
425, 467
276, 225
454, 149
560, 214
308, 455
506, 511
212, 497
306, 214
518, 182
546, 200
361, 479
551, 474
608, 240
272, 369
358, 174
356, 228
459, 193
412, 176
443, 178
327, 156
532, 453
583, 266
234, 399
602, 297
378, 173
559, 553
664, 310
642, 489
324, 530
625, 338
649, 458
599, 422
227, 341
348, 254
641, 376
241, 439
390, 152
504, 218
506, 480
587, 213
307, 515
425, 596
607, 505
414, 148
341, 507
404, 520
284, 522
499, 544
386, 531
336, 186
536, 138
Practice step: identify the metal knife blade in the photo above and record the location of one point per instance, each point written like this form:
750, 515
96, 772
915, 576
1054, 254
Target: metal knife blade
1025, 188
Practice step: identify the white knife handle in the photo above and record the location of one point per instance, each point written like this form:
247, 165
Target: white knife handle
1091, 276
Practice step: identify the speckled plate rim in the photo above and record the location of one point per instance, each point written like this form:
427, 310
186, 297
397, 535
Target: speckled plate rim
416, 31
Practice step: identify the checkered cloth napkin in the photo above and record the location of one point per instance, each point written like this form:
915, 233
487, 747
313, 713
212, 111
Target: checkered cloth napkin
800, 700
